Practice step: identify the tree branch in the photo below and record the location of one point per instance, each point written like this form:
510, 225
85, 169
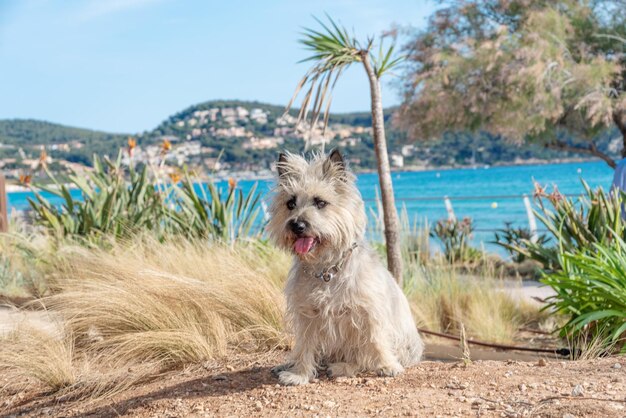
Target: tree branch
621, 125
618, 119
591, 150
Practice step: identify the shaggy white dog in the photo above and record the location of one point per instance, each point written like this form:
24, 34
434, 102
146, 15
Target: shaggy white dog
344, 307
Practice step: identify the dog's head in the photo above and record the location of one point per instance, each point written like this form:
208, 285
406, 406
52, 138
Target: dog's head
317, 210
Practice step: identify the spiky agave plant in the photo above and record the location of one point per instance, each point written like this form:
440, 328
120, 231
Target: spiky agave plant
573, 224
118, 202
109, 202
333, 51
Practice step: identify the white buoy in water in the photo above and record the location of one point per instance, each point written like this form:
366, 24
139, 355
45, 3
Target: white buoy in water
494, 205
438, 175
580, 170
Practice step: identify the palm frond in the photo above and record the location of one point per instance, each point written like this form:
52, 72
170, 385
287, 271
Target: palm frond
333, 50
386, 61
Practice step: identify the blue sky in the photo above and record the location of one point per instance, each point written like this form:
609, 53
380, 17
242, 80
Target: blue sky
126, 65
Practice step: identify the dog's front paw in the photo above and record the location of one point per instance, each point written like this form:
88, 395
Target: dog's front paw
391, 370
281, 368
288, 378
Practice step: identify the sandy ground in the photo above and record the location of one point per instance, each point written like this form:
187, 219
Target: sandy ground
245, 387
11, 318
528, 290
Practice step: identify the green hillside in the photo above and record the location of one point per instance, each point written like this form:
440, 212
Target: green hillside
72, 144
454, 149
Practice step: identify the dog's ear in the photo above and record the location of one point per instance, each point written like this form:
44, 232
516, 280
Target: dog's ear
335, 164
281, 165
336, 158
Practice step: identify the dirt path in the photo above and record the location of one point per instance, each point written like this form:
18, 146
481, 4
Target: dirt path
244, 387
11, 318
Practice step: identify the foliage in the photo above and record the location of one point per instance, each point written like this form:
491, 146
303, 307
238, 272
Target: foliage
576, 225
211, 215
333, 50
14, 276
454, 236
117, 202
510, 236
108, 205
521, 69
23, 251
415, 240
591, 289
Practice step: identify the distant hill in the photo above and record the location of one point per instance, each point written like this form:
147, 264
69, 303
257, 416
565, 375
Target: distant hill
74, 144
231, 132
248, 135
30, 132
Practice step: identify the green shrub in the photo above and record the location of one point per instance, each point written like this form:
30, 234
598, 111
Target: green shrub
509, 237
454, 236
110, 203
591, 289
118, 201
576, 225
213, 215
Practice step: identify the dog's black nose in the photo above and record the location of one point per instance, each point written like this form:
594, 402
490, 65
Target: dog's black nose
298, 227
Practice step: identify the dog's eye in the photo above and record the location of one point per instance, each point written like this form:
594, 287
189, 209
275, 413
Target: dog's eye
291, 205
319, 203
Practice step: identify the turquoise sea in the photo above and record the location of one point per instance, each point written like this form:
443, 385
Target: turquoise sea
490, 196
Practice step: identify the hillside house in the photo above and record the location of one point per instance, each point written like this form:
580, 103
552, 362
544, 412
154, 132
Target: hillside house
263, 143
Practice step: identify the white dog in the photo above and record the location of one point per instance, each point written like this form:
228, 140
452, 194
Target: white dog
344, 307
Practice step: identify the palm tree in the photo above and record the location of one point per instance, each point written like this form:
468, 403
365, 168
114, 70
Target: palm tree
333, 51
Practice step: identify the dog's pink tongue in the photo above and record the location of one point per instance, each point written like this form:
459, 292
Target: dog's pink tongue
303, 245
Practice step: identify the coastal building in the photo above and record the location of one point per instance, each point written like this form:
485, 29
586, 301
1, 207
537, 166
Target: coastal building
242, 113
397, 160
408, 150
259, 116
349, 142
229, 115
233, 131
263, 143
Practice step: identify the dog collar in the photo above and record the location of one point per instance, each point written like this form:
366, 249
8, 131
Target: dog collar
329, 273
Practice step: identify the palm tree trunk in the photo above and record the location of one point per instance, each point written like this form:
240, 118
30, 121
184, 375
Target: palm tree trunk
390, 214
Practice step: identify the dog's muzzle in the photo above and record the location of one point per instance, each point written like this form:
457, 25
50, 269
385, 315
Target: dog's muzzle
298, 227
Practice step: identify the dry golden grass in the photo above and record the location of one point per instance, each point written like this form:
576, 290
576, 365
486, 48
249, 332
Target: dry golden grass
171, 303
29, 354
145, 307
442, 299
23, 254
